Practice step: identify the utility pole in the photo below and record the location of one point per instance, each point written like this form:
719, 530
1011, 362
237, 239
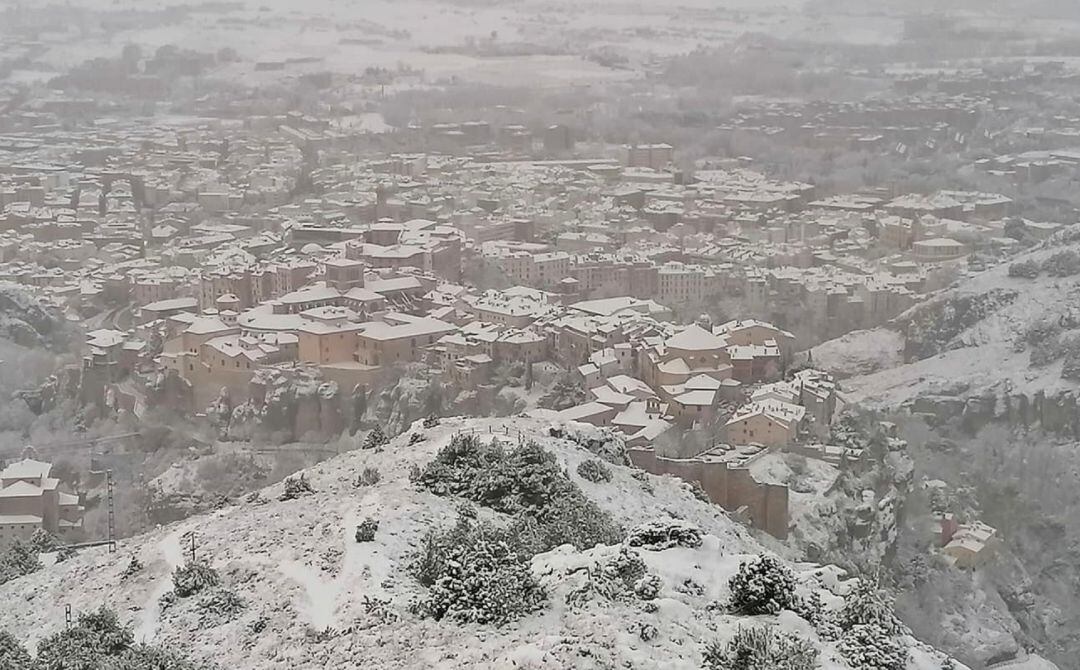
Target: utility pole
193, 547
110, 488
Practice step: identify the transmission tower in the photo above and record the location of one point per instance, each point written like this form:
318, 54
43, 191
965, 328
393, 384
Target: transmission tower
112, 511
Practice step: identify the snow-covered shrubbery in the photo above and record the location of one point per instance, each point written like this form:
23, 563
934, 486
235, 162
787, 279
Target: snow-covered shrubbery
1024, 269
296, 487
648, 587
475, 573
1064, 263
192, 578
98, 641
526, 481
12, 654
870, 647
20, 559
665, 534
761, 648
866, 604
592, 470
431, 421
416, 438
42, 541
573, 519
612, 579
866, 628
376, 439
605, 443
219, 606
369, 477
380, 610
365, 532
133, 568
763, 585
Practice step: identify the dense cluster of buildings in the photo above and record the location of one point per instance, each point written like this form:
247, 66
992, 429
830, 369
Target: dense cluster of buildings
200, 253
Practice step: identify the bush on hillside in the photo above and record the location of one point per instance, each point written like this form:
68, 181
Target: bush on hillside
475, 573
369, 477
525, 480
592, 470
146, 657
430, 421
219, 606
365, 532
43, 542
871, 647
574, 519
1062, 264
763, 585
95, 637
761, 648
296, 487
376, 439
866, 604
665, 534
612, 579
133, 568
13, 656
1024, 270
605, 443
193, 578
19, 560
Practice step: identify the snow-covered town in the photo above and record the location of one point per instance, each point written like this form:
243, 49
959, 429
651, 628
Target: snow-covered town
446, 334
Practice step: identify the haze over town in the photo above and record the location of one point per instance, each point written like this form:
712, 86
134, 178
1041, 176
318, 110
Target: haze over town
485, 334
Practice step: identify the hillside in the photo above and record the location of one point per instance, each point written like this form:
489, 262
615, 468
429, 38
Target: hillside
314, 597
1014, 328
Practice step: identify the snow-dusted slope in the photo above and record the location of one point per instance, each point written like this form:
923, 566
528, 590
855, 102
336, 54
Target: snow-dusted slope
975, 335
300, 571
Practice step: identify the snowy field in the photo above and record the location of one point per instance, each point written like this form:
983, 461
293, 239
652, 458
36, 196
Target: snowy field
351, 35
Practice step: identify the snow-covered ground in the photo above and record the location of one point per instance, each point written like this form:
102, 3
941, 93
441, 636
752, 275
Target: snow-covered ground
991, 353
300, 571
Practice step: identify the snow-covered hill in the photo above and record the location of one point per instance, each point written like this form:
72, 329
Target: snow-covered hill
317, 598
1012, 328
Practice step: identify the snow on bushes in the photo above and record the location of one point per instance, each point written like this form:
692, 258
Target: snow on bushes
365, 532
133, 568
13, 655
616, 578
604, 443
296, 487
870, 647
19, 560
525, 480
369, 477
43, 542
869, 630
376, 439
98, 641
665, 534
761, 648
648, 587
866, 604
1025, 269
763, 585
475, 573
219, 606
594, 471
193, 578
